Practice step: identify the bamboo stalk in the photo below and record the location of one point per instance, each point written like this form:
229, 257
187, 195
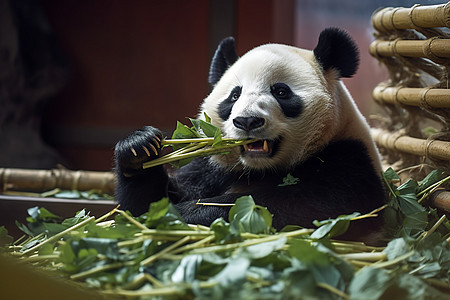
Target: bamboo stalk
420, 97
44, 180
388, 19
194, 151
421, 147
441, 199
433, 49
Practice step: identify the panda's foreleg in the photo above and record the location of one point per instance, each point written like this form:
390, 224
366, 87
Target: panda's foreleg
136, 188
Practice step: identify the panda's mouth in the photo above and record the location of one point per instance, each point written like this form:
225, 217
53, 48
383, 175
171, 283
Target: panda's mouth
260, 148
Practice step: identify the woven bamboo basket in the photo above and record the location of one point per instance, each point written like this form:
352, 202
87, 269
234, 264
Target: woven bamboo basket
414, 45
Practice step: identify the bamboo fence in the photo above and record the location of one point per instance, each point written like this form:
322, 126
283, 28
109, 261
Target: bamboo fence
12, 180
414, 45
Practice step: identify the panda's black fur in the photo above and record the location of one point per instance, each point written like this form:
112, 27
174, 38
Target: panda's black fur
337, 178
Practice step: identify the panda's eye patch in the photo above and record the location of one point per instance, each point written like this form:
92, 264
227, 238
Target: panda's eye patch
235, 93
225, 107
281, 91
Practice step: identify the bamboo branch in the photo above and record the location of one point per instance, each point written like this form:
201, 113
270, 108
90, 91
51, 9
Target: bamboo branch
390, 18
421, 147
441, 199
45, 180
421, 97
431, 48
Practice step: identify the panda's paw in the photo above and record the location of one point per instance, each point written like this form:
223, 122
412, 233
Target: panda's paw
140, 146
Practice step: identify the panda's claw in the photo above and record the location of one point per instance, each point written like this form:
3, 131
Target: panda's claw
157, 141
153, 149
146, 151
139, 147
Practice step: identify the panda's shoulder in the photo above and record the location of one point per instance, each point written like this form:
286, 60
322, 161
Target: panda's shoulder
348, 157
348, 148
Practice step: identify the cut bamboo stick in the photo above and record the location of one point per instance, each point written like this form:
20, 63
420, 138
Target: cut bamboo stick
429, 148
45, 180
433, 49
388, 19
420, 97
441, 199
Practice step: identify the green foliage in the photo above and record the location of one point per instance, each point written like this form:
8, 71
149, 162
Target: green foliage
199, 129
158, 255
333, 227
246, 216
5, 238
289, 180
75, 194
201, 139
405, 216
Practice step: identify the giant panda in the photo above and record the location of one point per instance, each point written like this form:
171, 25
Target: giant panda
307, 125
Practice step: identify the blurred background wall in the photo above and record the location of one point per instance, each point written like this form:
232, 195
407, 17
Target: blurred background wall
90, 72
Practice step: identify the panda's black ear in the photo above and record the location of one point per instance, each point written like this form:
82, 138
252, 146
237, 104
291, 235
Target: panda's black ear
337, 50
224, 57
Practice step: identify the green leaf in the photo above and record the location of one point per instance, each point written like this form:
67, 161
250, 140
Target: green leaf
187, 269
107, 247
307, 253
156, 211
433, 177
329, 275
264, 249
24, 228
184, 132
332, 227
5, 238
217, 138
391, 176
289, 180
80, 216
67, 257
46, 249
397, 248
407, 198
369, 283
207, 118
416, 221
41, 214
299, 282
233, 273
203, 128
206, 129
246, 216
53, 228
222, 232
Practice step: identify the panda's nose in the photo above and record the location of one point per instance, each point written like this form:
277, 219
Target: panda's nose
248, 123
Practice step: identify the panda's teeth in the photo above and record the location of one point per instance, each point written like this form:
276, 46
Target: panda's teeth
265, 146
245, 147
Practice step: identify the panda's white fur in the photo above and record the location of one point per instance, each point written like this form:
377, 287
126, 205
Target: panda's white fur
329, 112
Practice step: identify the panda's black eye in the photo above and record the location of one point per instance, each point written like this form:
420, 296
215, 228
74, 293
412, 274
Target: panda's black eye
235, 94
281, 91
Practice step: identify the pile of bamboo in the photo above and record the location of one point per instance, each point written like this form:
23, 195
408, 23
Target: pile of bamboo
414, 44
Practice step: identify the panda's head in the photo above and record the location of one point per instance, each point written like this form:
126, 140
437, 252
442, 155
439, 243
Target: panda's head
281, 95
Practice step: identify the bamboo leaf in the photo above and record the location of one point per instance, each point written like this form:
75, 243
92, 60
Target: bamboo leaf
433, 177
391, 176
5, 238
246, 216
369, 283
333, 227
307, 253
